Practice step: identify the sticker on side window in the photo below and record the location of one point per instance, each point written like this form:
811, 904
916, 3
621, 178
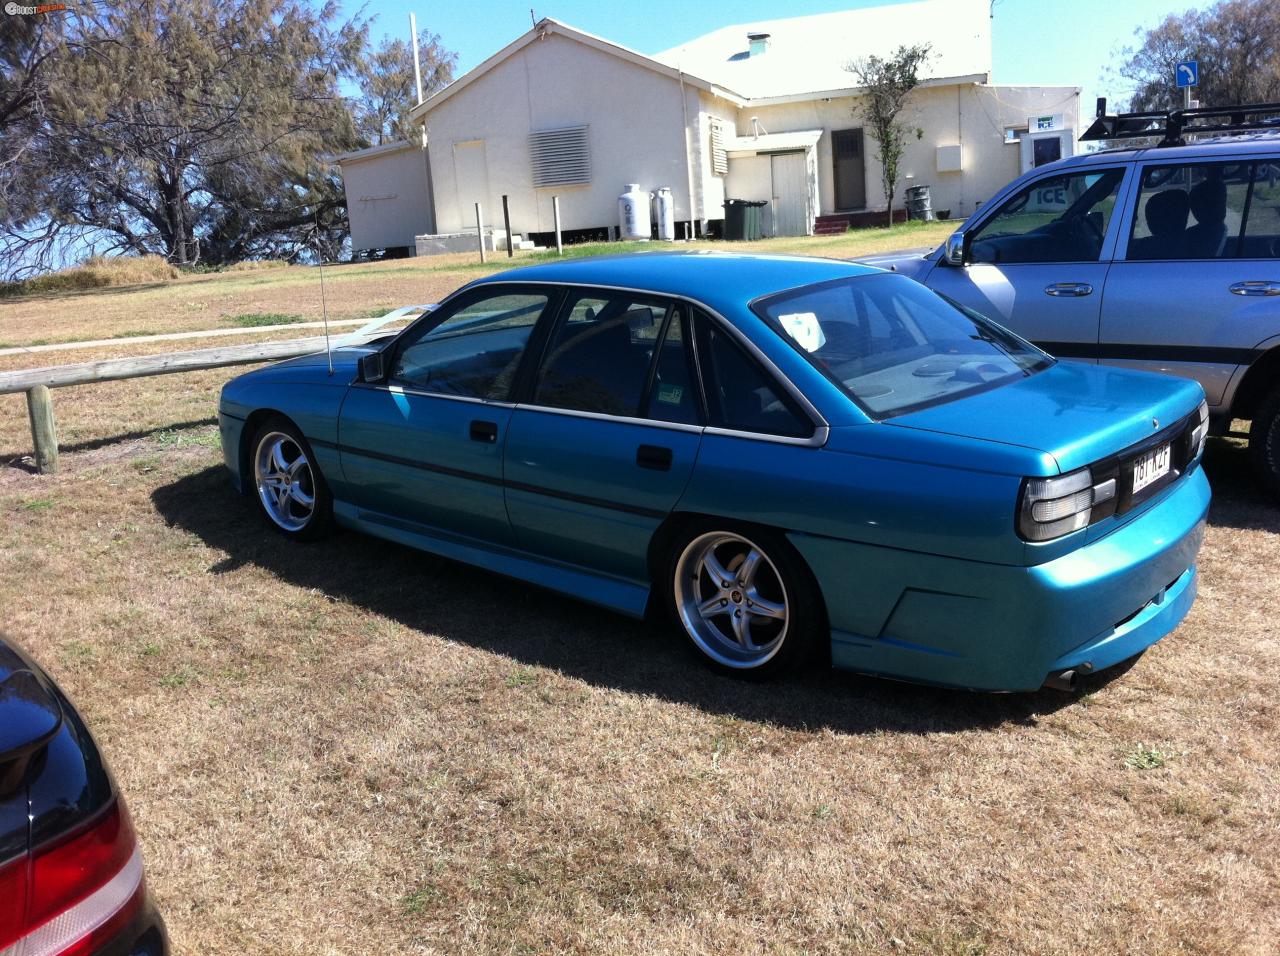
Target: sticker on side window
670, 394
805, 329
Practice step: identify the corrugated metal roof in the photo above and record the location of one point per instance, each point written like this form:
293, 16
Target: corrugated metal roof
773, 142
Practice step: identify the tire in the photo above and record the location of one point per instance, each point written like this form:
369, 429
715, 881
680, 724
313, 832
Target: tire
292, 495
768, 619
1264, 443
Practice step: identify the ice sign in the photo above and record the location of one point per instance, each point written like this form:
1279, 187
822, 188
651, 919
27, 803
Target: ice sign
805, 329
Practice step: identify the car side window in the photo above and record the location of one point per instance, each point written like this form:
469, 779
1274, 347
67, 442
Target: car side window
673, 393
1192, 211
1060, 219
599, 355
475, 351
1260, 238
741, 396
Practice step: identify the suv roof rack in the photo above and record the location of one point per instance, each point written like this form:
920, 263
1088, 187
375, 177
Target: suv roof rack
1170, 125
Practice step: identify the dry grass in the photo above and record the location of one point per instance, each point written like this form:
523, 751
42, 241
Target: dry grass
96, 272
353, 747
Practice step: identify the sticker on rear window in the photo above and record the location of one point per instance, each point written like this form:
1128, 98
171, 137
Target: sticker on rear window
805, 329
670, 394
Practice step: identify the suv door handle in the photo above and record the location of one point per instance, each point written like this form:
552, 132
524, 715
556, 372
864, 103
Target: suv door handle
1256, 287
1074, 289
654, 457
486, 432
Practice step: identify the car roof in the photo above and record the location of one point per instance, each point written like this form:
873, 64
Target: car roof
1261, 143
713, 277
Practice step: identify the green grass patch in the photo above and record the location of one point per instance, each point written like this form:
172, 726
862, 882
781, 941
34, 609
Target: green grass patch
253, 320
37, 504
1143, 757
187, 438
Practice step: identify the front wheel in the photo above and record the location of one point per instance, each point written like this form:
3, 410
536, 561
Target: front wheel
745, 599
289, 487
1264, 442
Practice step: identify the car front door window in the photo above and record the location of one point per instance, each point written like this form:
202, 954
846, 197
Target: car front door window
1062, 218
474, 351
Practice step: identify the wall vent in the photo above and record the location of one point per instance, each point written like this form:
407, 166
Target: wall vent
561, 157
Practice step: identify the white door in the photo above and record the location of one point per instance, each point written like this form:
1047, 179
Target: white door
471, 177
790, 194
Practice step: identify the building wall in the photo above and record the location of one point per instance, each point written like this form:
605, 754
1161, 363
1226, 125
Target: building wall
971, 115
636, 135
388, 199
712, 192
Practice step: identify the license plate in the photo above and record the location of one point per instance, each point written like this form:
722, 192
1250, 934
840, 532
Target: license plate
1151, 467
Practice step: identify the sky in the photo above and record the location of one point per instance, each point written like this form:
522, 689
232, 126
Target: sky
1035, 42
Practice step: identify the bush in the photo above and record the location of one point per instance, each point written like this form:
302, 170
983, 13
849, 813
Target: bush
98, 272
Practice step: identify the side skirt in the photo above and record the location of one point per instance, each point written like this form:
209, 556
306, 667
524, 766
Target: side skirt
626, 597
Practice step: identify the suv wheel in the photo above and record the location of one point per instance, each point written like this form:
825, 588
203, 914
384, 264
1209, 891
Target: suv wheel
1264, 442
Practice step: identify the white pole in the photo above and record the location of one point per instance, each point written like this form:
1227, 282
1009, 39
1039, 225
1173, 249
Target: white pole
417, 67
480, 232
555, 213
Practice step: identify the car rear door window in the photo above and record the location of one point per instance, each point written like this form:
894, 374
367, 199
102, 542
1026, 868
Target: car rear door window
1062, 218
1192, 211
1260, 238
475, 350
599, 356
673, 393
741, 396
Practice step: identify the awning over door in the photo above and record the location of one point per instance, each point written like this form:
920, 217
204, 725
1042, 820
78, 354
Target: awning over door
782, 170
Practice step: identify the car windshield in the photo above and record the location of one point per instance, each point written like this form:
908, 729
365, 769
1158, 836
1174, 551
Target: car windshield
894, 346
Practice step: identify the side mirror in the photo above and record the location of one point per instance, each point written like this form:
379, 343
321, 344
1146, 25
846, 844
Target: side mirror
370, 368
956, 247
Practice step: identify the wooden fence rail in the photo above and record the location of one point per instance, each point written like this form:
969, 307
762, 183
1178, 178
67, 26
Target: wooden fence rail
36, 382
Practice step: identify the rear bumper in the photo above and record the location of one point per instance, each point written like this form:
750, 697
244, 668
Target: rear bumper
995, 627
144, 935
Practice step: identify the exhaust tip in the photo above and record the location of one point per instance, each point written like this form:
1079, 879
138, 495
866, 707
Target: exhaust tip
1066, 680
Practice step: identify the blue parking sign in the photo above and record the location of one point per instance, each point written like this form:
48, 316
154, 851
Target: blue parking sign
1188, 73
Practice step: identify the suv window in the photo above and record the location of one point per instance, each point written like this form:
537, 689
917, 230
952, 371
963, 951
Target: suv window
741, 396
473, 351
599, 356
1260, 238
1060, 219
1192, 211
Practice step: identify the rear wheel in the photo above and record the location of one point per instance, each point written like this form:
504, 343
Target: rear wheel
1264, 442
744, 598
290, 490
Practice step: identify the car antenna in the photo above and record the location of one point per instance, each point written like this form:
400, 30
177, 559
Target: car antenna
324, 308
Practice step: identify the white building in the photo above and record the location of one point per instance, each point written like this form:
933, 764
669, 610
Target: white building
758, 111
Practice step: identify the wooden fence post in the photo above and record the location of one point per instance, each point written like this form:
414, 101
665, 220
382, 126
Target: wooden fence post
480, 232
44, 430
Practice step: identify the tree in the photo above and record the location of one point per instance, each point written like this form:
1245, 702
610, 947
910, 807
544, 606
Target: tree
387, 86
887, 83
195, 129
1237, 43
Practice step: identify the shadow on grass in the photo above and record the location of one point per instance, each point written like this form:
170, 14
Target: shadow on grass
1238, 501
539, 628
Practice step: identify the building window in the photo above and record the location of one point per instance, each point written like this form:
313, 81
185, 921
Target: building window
719, 158
561, 157
1013, 134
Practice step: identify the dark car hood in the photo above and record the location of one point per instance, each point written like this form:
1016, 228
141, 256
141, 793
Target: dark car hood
1076, 412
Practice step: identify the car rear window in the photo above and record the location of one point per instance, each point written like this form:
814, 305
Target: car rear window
894, 346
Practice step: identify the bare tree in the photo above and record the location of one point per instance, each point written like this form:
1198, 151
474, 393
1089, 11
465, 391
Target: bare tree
887, 83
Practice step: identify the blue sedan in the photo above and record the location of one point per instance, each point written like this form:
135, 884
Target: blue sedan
793, 458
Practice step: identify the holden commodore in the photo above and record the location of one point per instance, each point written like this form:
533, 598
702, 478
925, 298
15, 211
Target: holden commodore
789, 456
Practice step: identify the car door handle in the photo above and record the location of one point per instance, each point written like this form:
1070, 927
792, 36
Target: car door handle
654, 457
486, 432
1256, 287
1068, 289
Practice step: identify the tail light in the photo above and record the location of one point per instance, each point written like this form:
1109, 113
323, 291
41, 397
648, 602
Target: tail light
81, 890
